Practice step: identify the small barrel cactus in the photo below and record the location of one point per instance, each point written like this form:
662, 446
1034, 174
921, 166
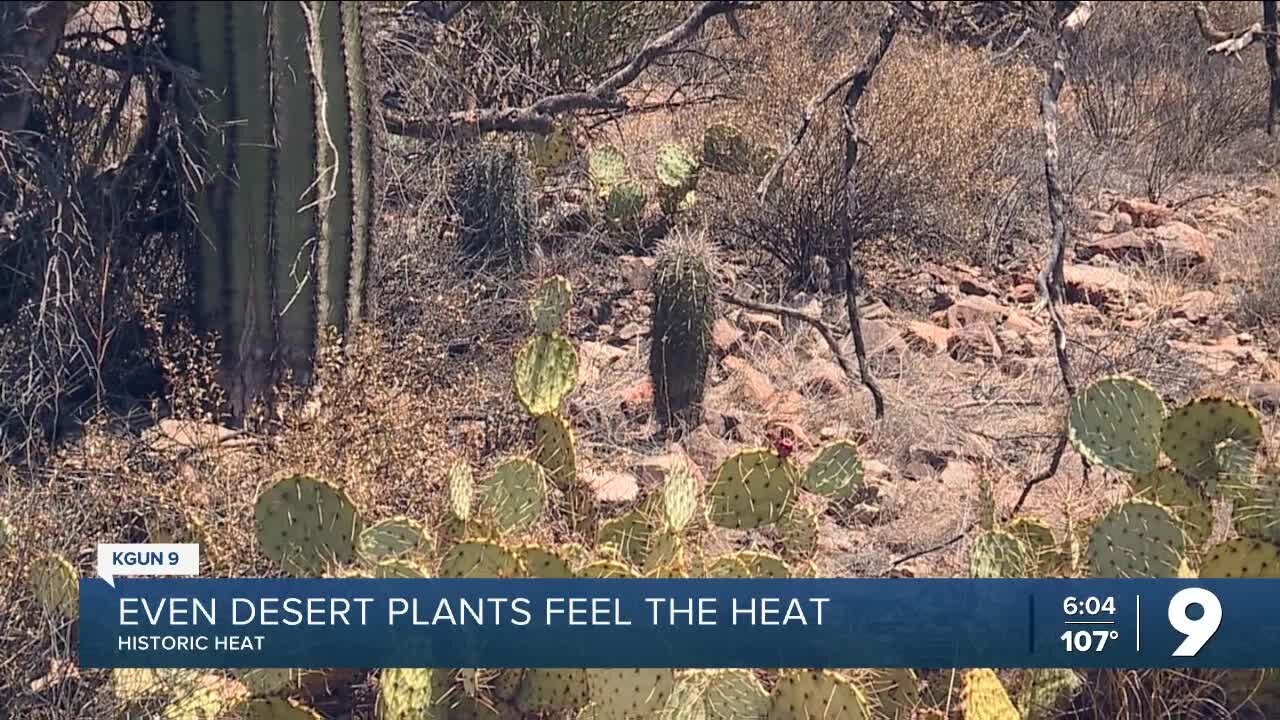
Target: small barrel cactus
684, 292
492, 196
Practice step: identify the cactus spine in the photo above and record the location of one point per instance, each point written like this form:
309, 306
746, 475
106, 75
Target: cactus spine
283, 218
683, 313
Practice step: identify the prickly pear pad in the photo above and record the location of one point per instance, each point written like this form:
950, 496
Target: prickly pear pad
763, 565
685, 701
1169, 488
306, 525
480, 559
1135, 540
751, 489
546, 369
607, 167
817, 695
1115, 423
1041, 546
998, 554
398, 569
404, 694
630, 532
393, 538
1193, 432
57, 586
555, 450
734, 695
799, 530
541, 562
627, 693
551, 690
515, 497
895, 692
602, 569
1255, 511
210, 696
679, 498
836, 472
664, 557
278, 708
550, 304
1241, 558
984, 697
676, 167
461, 490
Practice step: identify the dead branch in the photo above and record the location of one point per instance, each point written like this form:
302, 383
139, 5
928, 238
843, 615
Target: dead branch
1224, 42
538, 117
1273, 62
823, 329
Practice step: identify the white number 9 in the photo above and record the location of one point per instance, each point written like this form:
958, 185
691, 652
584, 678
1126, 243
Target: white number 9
1198, 631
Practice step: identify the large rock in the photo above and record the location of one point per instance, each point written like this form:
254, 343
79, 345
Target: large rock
975, 341
824, 378
1097, 285
927, 337
1197, 306
614, 487
1145, 214
594, 358
972, 309
761, 323
755, 384
881, 336
1182, 245
1176, 243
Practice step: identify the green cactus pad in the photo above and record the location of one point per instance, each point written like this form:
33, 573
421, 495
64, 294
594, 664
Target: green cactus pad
605, 569
392, 539
401, 569
461, 486
1169, 488
984, 698
555, 450
817, 695
515, 496
507, 683
307, 525
630, 532
553, 690
541, 562
546, 370
1255, 506
836, 472
799, 531
480, 559
1192, 434
552, 150
56, 585
751, 489
724, 148
679, 498
1115, 423
734, 695
1045, 692
269, 681
724, 566
677, 168
895, 692
621, 694
664, 557
550, 304
1047, 558
278, 708
1241, 558
998, 554
1138, 539
1237, 466
607, 167
210, 697
131, 685
626, 202
762, 565
404, 694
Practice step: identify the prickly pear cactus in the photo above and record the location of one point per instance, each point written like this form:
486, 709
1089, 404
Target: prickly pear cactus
608, 568
515, 497
630, 533
1237, 466
546, 370
757, 564
679, 498
269, 681
461, 487
1241, 558
664, 557
555, 450
676, 167
734, 695
401, 569
550, 305
553, 690
751, 489
998, 554
626, 202
726, 149
404, 694
1116, 422
1046, 557
724, 566
799, 531
1138, 539
307, 525
393, 539
626, 693
684, 292
1255, 511
551, 151
542, 562
278, 708
685, 701
480, 559
57, 586
607, 167
817, 695
835, 472
895, 692
210, 697
1046, 691
1169, 488
984, 697
1192, 434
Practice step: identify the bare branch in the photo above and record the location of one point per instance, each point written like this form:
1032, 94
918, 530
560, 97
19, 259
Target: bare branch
823, 329
1224, 42
538, 117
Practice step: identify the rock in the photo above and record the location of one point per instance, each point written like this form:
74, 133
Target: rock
637, 271
977, 286
754, 383
785, 428
1024, 293
1096, 285
725, 336
1220, 358
1102, 222
1134, 246
1021, 323
612, 486
1182, 245
637, 399
1263, 395
927, 337
975, 341
1121, 222
1145, 214
761, 323
594, 359
875, 311
824, 378
806, 304
630, 332
1196, 306
882, 337
971, 310
788, 405
1014, 342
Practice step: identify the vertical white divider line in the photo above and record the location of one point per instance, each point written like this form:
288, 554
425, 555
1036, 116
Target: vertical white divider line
1137, 630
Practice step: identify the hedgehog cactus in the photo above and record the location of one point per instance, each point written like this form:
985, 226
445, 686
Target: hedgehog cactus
284, 219
684, 292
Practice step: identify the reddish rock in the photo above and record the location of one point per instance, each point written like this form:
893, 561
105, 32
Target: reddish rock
971, 309
977, 286
788, 405
1196, 306
638, 398
1263, 395
725, 335
823, 377
614, 487
1134, 246
754, 383
788, 429
1121, 222
1145, 214
1096, 285
652, 471
882, 337
977, 340
761, 323
637, 271
1183, 245
1024, 293
927, 337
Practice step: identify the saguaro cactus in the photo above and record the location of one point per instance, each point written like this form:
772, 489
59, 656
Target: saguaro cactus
284, 214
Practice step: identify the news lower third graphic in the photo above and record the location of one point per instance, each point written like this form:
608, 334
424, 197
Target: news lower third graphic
186, 622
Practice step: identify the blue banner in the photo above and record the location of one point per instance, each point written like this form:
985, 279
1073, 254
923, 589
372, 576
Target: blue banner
809, 623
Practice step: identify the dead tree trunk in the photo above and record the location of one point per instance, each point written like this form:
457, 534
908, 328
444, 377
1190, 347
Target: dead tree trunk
1273, 62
